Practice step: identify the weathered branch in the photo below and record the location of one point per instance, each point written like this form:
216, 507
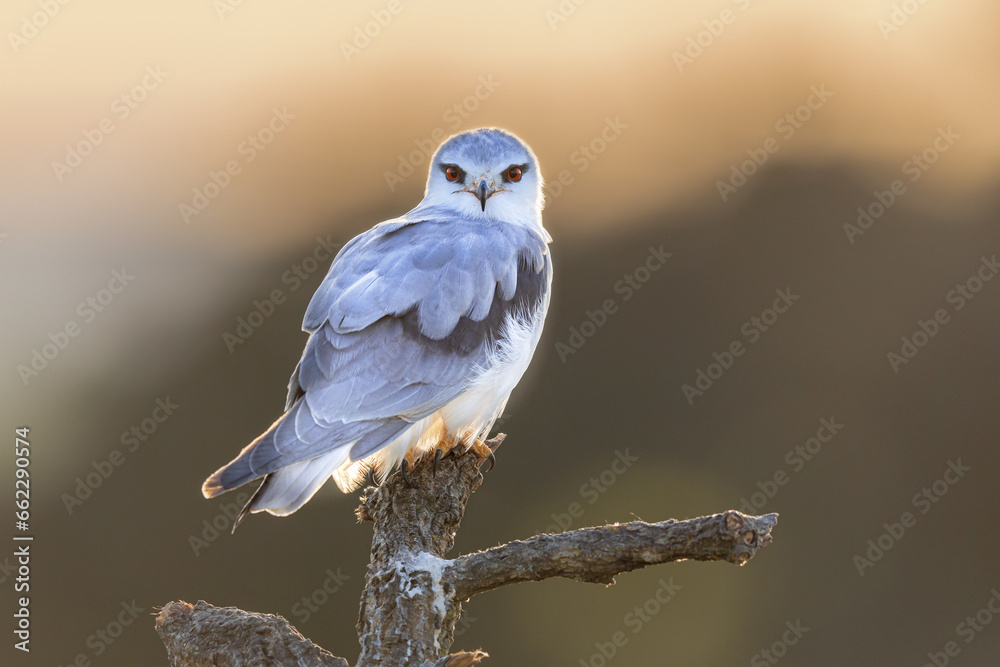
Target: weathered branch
413, 596
598, 554
408, 608
201, 635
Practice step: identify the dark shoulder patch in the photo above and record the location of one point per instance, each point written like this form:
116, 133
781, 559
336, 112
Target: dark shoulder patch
472, 337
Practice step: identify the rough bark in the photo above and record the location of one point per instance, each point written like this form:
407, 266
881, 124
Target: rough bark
413, 596
201, 635
597, 554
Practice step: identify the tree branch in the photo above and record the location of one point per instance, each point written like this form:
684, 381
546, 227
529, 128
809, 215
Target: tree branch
413, 596
201, 635
598, 554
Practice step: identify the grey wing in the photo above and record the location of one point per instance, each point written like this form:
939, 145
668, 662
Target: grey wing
406, 314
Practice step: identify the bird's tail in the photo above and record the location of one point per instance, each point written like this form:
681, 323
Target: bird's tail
286, 490
296, 456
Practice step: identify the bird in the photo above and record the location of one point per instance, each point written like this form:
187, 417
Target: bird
418, 334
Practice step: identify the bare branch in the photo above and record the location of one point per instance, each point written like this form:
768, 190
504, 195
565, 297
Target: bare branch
598, 554
413, 596
205, 636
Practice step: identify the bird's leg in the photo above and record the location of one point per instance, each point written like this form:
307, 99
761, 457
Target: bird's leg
483, 451
443, 448
408, 462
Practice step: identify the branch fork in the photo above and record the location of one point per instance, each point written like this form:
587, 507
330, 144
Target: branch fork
413, 595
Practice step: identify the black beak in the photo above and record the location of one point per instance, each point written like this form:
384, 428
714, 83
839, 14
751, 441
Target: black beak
483, 192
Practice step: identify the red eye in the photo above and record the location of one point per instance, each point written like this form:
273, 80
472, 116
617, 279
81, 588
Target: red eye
514, 174
451, 173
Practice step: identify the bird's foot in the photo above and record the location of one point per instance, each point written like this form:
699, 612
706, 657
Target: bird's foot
408, 462
483, 451
443, 448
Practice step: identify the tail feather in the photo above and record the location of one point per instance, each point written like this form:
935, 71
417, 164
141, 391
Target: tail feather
293, 437
297, 455
287, 489
247, 466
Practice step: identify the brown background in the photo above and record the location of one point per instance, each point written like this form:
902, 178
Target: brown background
655, 184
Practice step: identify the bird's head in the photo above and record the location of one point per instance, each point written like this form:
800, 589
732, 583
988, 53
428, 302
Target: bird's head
487, 173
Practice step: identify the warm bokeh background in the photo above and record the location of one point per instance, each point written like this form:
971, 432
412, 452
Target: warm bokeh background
556, 83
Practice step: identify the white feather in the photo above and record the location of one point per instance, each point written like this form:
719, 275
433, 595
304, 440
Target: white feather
470, 416
291, 487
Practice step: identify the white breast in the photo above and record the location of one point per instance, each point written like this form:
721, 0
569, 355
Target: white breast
470, 416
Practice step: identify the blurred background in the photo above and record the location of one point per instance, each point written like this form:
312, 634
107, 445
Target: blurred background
173, 177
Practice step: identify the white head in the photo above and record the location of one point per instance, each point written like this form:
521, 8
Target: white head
487, 173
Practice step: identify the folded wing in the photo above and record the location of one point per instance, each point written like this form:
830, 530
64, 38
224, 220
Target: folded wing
399, 326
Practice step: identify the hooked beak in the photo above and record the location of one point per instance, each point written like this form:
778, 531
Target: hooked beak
483, 192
